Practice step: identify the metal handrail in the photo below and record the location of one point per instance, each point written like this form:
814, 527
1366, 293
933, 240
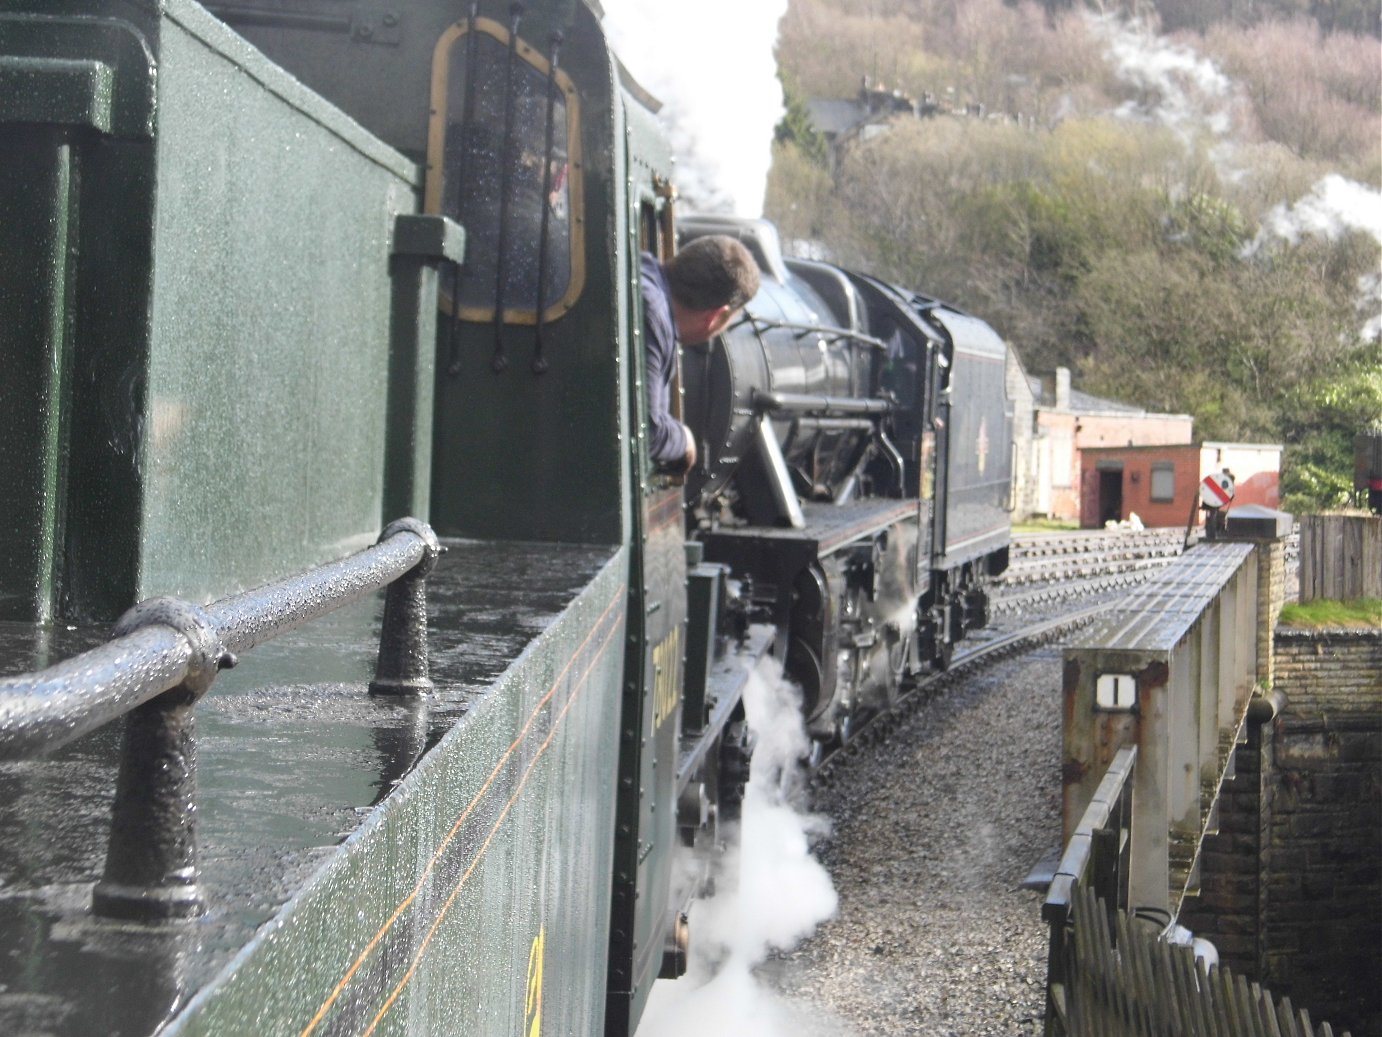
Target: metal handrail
823, 330
164, 655
1094, 855
44, 710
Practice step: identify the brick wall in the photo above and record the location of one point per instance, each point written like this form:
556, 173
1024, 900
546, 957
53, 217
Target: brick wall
1322, 940
1291, 886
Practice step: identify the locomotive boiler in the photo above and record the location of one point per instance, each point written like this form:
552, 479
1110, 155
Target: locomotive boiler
281, 274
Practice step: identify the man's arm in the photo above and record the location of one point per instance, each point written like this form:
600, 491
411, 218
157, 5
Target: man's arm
669, 441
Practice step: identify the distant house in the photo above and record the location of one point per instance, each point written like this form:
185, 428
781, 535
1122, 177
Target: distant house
1026, 496
842, 121
1161, 484
1066, 423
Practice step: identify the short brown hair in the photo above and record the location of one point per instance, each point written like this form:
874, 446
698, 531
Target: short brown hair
711, 272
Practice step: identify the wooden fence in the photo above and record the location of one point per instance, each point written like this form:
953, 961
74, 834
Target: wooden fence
1126, 982
1340, 557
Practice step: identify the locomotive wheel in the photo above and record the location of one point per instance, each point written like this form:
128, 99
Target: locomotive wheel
944, 653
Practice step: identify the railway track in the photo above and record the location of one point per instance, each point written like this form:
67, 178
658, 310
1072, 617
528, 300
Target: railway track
1051, 568
1046, 570
874, 729
1045, 557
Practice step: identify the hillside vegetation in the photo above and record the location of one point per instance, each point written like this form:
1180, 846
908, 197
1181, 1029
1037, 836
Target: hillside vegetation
1189, 220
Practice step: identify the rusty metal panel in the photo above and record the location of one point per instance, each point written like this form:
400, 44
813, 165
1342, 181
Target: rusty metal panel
1186, 642
1159, 614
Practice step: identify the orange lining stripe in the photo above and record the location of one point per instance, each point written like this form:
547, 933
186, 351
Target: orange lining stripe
484, 847
670, 521
455, 828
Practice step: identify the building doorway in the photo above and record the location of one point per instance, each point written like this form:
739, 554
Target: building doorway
1110, 495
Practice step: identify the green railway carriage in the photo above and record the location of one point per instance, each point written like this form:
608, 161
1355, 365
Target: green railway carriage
277, 274
237, 345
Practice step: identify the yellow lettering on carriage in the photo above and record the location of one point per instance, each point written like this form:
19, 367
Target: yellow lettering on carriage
532, 1017
666, 688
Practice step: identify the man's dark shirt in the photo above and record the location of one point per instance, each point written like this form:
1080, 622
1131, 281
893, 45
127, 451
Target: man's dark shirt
666, 437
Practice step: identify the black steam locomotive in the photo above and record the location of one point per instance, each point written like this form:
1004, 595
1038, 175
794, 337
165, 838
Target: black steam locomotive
856, 473
281, 272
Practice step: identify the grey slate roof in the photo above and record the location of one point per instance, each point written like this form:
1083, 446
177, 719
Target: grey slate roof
834, 117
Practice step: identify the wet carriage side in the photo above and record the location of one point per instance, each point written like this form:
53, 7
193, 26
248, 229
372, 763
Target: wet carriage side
239, 348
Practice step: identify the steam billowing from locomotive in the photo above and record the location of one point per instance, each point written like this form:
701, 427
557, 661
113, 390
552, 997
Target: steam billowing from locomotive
1190, 95
719, 89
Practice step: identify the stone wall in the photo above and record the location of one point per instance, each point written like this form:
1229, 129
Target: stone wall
1326, 673
1291, 886
1323, 898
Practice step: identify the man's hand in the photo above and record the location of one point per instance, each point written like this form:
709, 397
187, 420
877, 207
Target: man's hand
690, 448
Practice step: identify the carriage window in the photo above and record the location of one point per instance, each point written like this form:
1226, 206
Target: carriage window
503, 160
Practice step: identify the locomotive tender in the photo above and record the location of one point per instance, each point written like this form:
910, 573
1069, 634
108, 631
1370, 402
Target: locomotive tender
239, 342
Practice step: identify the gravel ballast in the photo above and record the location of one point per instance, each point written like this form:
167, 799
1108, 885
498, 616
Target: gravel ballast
934, 831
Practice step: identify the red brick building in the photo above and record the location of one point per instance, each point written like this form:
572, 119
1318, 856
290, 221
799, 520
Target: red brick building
1160, 484
1065, 423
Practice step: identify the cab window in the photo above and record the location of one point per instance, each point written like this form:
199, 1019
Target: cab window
504, 162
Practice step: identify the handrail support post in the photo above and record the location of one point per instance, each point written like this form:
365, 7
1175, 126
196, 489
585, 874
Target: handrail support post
402, 665
151, 860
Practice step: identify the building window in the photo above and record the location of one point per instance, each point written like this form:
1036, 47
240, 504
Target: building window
1163, 483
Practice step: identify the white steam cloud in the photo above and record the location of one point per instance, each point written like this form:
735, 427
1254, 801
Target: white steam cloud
712, 66
1332, 208
1186, 92
1335, 206
771, 893
1177, 87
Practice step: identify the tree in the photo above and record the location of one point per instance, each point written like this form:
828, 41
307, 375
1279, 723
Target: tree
796, 128
1130, 251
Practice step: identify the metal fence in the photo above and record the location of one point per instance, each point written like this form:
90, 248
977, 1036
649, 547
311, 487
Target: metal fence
1096, 857
1111, 974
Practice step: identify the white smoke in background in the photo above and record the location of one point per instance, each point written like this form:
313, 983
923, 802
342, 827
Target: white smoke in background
1178, 88
771, 893
712, 66
1334, 207
1187, 93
